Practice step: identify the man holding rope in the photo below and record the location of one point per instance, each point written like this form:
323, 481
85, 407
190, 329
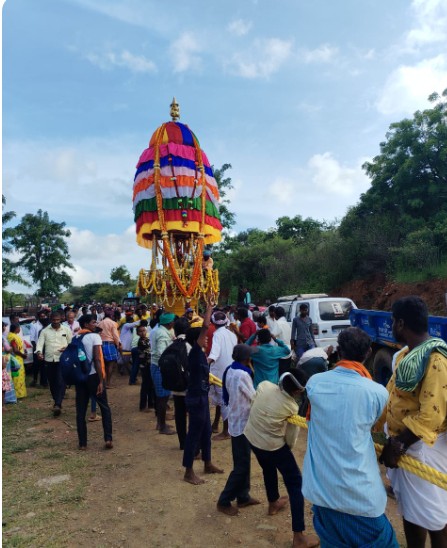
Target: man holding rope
341, 476
416, 418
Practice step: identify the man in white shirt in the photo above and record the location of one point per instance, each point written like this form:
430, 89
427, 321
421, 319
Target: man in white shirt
53, 340
71, 323
38, 366
238, 392
219, 359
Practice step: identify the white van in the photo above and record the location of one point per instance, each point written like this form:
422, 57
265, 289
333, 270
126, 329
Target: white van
329, 315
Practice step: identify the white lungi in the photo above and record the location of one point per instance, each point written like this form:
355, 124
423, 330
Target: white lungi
420, 502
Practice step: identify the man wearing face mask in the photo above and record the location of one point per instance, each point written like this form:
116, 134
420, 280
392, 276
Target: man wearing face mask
38, 366
53, 340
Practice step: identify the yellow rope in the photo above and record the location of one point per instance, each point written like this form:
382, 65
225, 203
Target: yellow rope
405, 462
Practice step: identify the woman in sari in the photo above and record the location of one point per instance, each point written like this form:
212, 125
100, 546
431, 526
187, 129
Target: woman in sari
19, 353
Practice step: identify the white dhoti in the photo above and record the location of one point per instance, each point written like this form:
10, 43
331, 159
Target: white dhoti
420, 502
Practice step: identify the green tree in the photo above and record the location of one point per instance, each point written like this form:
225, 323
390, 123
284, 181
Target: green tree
298, 229
42, 245
408, 192
120, 275
9, 268
224, 184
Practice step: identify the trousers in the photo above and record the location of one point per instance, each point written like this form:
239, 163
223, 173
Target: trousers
84, 392
283, 460
238, 482
199, 429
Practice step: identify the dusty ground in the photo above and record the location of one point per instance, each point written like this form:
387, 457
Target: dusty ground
131, 496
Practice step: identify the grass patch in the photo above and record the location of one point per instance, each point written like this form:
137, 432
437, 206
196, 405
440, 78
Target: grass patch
423, 274
33, 450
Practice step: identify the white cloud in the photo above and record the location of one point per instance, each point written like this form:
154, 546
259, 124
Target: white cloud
329, 176
408, 87
184, 52
239, 27
263, 59
125, 59
72, 180
95, 255
431, 23
323, 54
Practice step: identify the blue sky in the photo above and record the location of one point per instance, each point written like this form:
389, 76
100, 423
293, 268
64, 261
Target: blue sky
294, 94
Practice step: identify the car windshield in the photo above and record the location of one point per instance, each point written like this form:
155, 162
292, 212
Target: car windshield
334, 310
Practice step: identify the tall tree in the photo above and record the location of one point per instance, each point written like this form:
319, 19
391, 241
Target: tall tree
44, 252
9, 268
120, 275
408, 192
224, 184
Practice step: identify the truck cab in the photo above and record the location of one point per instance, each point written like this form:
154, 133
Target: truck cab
329, 315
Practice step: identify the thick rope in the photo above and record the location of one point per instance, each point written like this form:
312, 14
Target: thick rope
405, 462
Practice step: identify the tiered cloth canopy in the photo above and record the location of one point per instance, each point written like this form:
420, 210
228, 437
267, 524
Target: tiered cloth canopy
168, 192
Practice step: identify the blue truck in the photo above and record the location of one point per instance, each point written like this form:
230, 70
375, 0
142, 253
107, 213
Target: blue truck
378, 325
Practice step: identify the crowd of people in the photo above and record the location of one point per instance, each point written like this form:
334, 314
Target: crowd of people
267, 371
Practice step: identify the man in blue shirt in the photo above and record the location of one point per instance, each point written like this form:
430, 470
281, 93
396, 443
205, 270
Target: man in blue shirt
266, 358
341, 476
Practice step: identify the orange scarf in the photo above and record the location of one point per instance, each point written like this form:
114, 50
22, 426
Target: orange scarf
355, 366
348, 364
101, 356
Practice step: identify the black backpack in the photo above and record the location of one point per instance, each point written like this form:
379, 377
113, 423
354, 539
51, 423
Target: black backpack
173, 364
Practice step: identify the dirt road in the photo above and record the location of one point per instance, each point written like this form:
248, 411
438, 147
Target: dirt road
131, 496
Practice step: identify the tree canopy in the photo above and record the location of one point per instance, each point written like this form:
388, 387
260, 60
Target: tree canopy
10, 271
120, 275
42, 245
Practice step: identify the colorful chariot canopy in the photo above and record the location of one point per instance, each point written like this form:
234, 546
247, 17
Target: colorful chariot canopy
174, 187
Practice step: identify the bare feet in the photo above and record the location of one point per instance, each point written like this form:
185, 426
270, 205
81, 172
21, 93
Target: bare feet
305, 541
228, 510
250, 502
191, 477
109, 444
211, 469
275, 507
94, 418
222, 436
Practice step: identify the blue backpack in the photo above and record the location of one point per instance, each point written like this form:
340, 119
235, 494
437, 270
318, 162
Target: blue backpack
75, 367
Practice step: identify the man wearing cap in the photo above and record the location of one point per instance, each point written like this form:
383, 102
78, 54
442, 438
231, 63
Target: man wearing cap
219, 358
238, 393
162, 339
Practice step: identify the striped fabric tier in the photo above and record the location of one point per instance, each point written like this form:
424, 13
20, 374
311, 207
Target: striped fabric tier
178, 187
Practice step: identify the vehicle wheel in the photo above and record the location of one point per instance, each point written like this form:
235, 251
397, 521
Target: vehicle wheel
382, 369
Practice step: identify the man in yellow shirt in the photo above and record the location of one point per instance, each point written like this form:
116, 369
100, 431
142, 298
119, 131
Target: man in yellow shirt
416, 417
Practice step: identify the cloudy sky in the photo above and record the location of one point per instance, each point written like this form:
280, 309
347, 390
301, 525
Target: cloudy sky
294, 94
